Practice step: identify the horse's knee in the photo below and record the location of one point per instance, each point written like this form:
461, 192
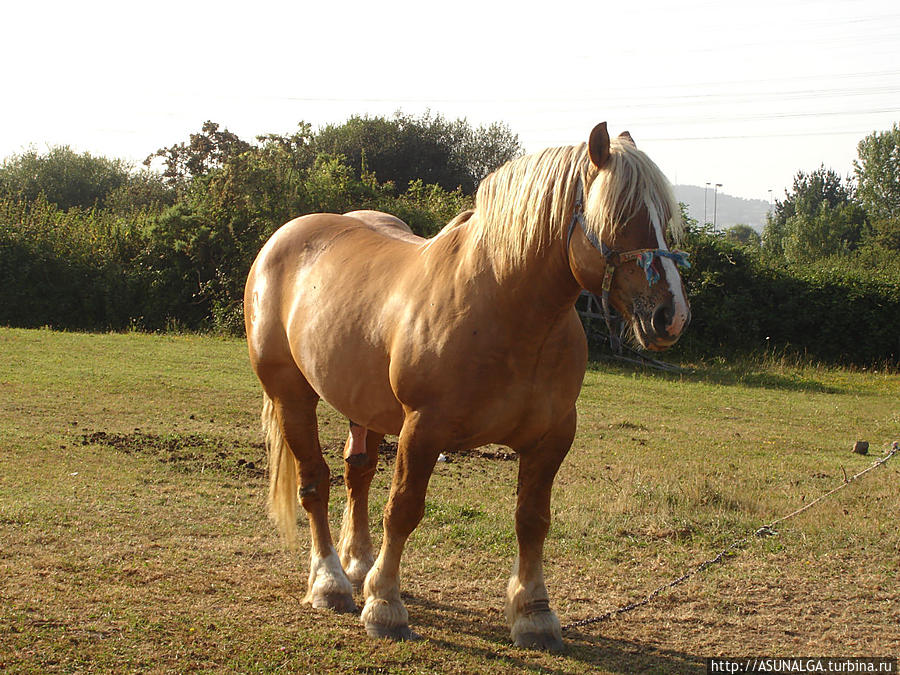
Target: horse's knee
403, 514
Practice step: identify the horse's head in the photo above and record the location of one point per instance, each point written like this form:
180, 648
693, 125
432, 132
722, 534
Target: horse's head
618, 240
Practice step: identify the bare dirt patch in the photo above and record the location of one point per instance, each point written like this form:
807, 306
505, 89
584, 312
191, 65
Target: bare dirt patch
185, 452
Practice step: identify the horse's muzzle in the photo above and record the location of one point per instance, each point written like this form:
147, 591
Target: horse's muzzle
662, 328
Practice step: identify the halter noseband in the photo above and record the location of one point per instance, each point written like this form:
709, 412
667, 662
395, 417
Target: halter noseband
643, 256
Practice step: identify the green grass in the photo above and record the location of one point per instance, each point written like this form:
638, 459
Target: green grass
133, 536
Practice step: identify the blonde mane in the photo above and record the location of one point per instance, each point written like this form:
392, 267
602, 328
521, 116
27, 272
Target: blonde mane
528, 203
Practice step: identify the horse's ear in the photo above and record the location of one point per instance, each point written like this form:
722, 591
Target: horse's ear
598, 145
625, 136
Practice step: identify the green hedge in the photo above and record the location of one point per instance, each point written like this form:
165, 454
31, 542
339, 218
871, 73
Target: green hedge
99, 269
842, 310
69, 269
90, 269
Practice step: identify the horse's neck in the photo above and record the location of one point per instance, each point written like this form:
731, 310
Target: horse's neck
542, 286
539, 287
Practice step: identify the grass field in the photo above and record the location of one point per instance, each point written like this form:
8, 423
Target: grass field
133, 536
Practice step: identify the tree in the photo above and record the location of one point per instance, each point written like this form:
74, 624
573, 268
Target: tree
64, 177
144, 190
743, 235
205, 151
878, 179
878, 174
819, 194
828, 231
486, 148
403, 149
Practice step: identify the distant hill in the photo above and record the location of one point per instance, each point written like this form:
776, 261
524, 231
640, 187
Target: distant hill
730, 210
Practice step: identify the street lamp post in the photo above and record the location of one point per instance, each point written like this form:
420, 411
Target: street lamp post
704, 203
716, 203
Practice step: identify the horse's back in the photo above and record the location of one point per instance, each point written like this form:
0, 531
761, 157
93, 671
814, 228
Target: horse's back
386, 224
356, 238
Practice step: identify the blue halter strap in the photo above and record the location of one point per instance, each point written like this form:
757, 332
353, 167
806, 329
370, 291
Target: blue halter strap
645, 261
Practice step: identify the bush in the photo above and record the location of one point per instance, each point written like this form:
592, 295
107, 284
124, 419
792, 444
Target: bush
841, 310
63, 177
69, 269
186, 264
87, 244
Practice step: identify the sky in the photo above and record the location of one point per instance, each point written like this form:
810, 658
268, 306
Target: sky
738, 93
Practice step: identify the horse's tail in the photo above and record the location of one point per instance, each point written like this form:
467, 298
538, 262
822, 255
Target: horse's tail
282, 501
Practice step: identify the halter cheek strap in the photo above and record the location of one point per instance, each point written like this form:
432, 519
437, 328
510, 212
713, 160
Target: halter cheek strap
643, 256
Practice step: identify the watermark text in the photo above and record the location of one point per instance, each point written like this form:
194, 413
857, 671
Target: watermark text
810, 664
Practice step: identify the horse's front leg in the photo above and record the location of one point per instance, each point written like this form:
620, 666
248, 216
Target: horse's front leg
531, 621
384, 614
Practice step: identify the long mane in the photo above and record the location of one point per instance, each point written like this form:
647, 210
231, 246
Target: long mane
528, 203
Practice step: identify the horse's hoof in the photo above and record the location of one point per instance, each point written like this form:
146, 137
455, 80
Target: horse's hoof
341, 603
395, 633
538, 630
544, 641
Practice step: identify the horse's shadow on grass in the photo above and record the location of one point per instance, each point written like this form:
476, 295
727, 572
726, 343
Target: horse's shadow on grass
598, 651
723, 375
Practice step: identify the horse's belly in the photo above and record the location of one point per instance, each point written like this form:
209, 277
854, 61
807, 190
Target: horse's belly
344, 362
362, 401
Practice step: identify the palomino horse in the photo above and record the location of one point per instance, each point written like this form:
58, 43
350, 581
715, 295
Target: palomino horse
467, 338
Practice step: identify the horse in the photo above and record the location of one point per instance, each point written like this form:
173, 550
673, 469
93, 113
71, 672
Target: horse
450, 343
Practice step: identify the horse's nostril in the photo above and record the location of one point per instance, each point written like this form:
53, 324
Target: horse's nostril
662, 318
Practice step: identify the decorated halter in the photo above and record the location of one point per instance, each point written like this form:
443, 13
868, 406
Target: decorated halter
643, 256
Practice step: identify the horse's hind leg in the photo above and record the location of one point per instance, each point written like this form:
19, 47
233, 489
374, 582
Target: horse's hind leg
355, 545
292, 425
531, 621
